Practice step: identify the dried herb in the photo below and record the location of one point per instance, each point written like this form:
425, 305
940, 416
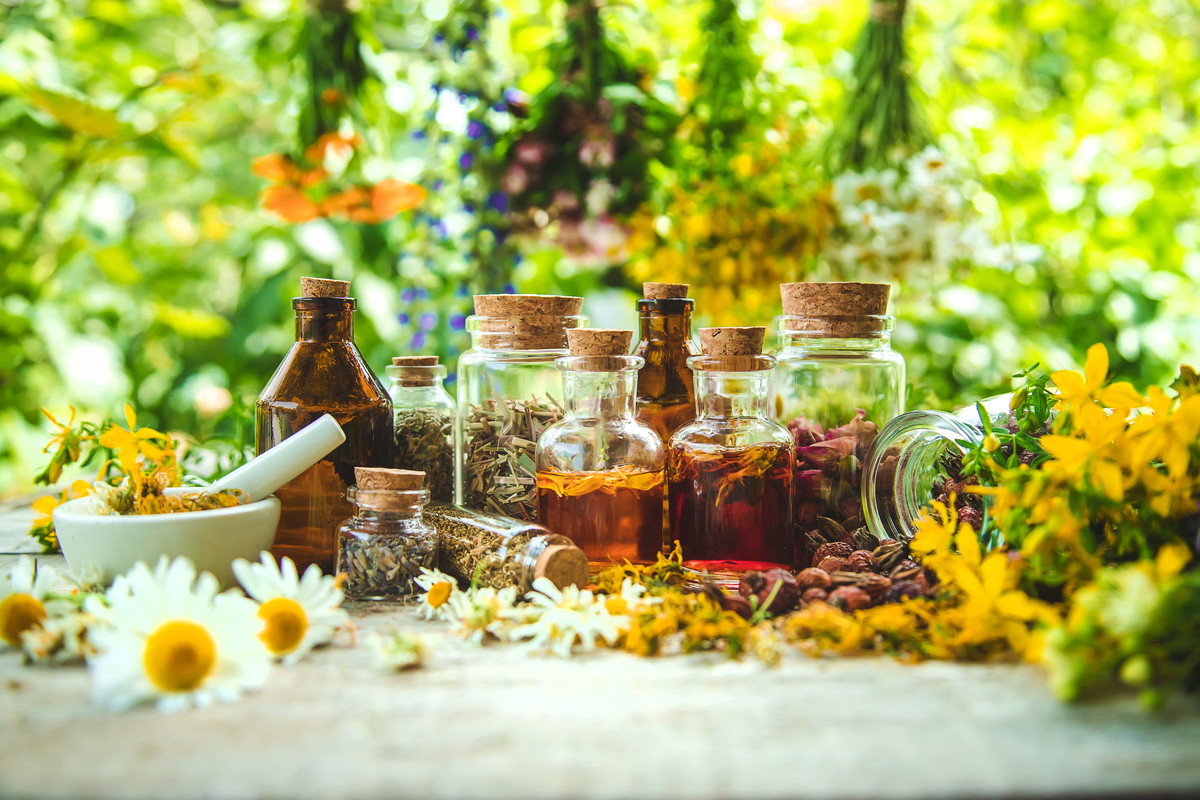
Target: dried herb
499, 465
384, 565
424, 442
480, 550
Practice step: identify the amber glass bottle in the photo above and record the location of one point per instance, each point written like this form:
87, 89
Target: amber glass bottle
323, 373
666, 393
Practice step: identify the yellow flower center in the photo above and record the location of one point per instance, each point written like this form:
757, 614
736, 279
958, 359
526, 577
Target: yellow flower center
286, 624
438, 594
19, 613
179, 655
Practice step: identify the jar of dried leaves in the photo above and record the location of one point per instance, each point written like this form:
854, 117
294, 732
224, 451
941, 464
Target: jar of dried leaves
423, 416
385, 544
509, 392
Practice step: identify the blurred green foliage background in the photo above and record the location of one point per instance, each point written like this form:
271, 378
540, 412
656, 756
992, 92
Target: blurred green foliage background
137, 264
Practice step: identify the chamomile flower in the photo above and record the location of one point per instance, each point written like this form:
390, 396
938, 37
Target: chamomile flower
171, 638
300, 612
482, 612
396, 650
435, 601
26, 600
568, 616
65, 639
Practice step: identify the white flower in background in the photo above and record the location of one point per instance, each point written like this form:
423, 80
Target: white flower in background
568, 616
26, 600
172, 638
396, 650
66, 639
600, 195
434, 603
300, 613
482, 612
930, 168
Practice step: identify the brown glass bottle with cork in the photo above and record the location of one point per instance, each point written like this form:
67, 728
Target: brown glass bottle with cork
323, 373
666, 393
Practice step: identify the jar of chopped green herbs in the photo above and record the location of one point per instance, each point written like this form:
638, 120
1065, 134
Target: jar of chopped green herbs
423, 422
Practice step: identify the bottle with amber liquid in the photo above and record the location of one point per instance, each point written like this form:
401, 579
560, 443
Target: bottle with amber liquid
666, 394
600, 473
730, 470
323, 373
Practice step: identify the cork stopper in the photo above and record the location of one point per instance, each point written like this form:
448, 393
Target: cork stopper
527, 305
599, 341
837, 299
398, 480
663, 291
414, 361
320, 287
563, 564
732, 341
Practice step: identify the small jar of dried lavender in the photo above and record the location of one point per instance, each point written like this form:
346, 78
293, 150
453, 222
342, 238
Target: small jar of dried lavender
385, 544
423, 422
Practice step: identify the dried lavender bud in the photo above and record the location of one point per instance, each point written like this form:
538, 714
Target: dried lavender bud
850, 598
834, 564
813, 578
831, 549
861, 561
814, 595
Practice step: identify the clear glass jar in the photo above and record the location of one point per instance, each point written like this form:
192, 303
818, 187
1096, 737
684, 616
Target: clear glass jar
729, 474
600, 472
385, 544
423, 422
508, 394
497, 551
836, 382
912, 462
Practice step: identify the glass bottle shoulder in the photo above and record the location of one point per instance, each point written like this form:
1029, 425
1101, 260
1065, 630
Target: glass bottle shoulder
731, 432
583, 444
325, 374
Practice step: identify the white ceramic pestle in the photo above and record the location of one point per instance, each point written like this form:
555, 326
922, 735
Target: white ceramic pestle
265, 473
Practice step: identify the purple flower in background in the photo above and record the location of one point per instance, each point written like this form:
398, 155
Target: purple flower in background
472, 33
440, 229
418, 134
423, 294
466, 160
428, 320
408, 295
498, 201
509, 289
458, 322
418, 341
403, 317
474, 129
438, 38
437, 185
463, 290
469, 208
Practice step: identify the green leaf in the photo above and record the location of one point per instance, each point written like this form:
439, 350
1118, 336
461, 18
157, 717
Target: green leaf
117, 266
192, 323
78, 115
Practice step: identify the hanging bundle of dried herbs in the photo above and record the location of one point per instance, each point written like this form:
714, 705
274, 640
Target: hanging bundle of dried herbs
880, 123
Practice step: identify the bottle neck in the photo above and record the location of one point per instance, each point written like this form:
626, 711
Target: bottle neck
732, 394
666, 322
596, 395
324, 319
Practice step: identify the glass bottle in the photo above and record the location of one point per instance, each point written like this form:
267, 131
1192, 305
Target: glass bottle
508, 394
912, 462
836, 381
600, 470
386, 543
730, 470
423, 422
498, 551
666, 393
323, 373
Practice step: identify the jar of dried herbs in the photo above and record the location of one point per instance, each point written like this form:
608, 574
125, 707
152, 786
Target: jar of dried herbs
509, 392
423, 422
498, 551
836, 382
385, 544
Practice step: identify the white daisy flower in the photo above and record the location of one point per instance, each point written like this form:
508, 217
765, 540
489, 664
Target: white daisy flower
483, 612
438, 586
300, 612
64, 639
569, 615
175, 640
26, 600
396, 650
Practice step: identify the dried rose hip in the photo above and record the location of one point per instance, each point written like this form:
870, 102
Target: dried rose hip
814, 595
850, 598
861, 561
834, 564
813, 578
832, 549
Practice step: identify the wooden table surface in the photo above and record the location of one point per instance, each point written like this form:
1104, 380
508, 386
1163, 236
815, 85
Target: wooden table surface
497, 722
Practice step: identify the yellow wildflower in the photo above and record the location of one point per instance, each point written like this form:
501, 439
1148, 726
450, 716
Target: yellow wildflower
130, 443
1077, 390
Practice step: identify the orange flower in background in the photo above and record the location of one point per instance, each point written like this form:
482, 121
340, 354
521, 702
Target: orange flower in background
342, 147
389, 197
280, 168
331, 96
340, 204
289, 203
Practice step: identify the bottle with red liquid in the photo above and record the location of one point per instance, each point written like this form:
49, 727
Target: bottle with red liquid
666, 393
323, 373
730, 471
600, 473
